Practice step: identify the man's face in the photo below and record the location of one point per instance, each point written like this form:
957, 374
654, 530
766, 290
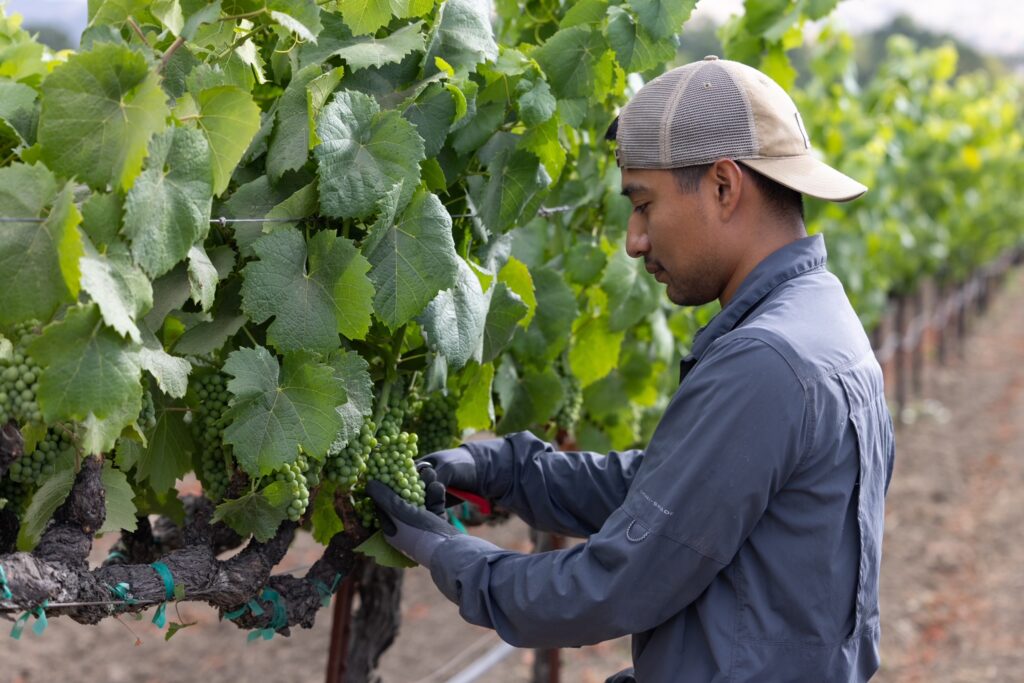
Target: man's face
669, 229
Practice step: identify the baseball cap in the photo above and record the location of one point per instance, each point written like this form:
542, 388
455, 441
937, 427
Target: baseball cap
720, 109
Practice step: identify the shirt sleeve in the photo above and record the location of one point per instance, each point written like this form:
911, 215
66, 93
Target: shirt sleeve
729, 440
570, 493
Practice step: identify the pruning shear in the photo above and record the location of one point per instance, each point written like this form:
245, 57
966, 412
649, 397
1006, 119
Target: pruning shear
479, 501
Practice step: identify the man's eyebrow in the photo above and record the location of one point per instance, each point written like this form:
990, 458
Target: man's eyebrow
632, 188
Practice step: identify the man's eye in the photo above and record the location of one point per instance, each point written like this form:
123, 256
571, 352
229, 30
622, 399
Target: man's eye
641, 208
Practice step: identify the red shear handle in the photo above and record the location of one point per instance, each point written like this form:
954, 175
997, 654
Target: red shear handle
479, 501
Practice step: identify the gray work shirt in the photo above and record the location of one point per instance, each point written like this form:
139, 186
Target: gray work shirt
744, 543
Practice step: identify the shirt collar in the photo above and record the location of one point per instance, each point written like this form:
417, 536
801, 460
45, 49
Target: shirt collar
781, 265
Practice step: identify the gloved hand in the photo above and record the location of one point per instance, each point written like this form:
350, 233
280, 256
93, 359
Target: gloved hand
413, 531
434, 494
456, 468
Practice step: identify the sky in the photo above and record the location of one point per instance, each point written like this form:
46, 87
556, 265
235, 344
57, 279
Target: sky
993, 26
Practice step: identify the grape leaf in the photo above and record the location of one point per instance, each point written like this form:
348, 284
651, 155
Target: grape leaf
101, 218
257, 513
516, 276
119, 288
87, 369
632, 293
516, 181
476, 406
118, 495
277, 409
301, 17
595, 349
168, 208
454, 321
377, 547
50, 496
170, 292
229, 119
432, 113
313, 290
412, 259
543, 141
462, 36
115, 11
367, 51
547, 335
527, 400
170, 15
351, 369
365, 16
166, 455
635, 49
289, 144
18, 110
571, 59
585, 12
663, 18
584, 263
325, 519
202, 276
39, 267
209, 336
320, 88
99, 110
505, 311
99, 434
536, 103
170, 372
255, 199
363, 154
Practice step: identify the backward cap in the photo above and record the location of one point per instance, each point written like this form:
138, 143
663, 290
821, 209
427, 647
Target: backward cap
720, 109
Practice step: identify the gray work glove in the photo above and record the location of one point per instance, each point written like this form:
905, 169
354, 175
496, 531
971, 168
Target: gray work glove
456, 468
412, 530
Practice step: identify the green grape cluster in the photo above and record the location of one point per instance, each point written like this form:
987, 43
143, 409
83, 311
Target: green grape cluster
37, 466
297, 488
436, 425
147, 417
346, 466
393, 460
568, 417
216, 462
19, 375
310, 468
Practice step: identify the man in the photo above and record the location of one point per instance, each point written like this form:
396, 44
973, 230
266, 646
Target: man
744, 543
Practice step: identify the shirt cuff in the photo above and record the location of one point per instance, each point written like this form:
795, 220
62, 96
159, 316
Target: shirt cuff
451, 556
495, 465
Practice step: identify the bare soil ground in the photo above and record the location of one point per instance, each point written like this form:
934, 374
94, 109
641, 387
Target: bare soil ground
952, 577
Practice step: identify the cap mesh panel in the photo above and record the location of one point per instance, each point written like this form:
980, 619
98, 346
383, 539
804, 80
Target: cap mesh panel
708, 123
712, 121
639, 131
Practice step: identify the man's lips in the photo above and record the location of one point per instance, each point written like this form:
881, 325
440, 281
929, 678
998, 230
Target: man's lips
652, 268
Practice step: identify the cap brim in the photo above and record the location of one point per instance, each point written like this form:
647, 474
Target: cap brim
809, 176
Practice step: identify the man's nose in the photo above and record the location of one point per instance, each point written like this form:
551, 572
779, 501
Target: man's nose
637, 244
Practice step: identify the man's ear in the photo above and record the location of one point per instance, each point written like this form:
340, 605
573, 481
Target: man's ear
727, 180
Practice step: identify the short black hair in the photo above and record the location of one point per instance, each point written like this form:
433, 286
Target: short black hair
779, 197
